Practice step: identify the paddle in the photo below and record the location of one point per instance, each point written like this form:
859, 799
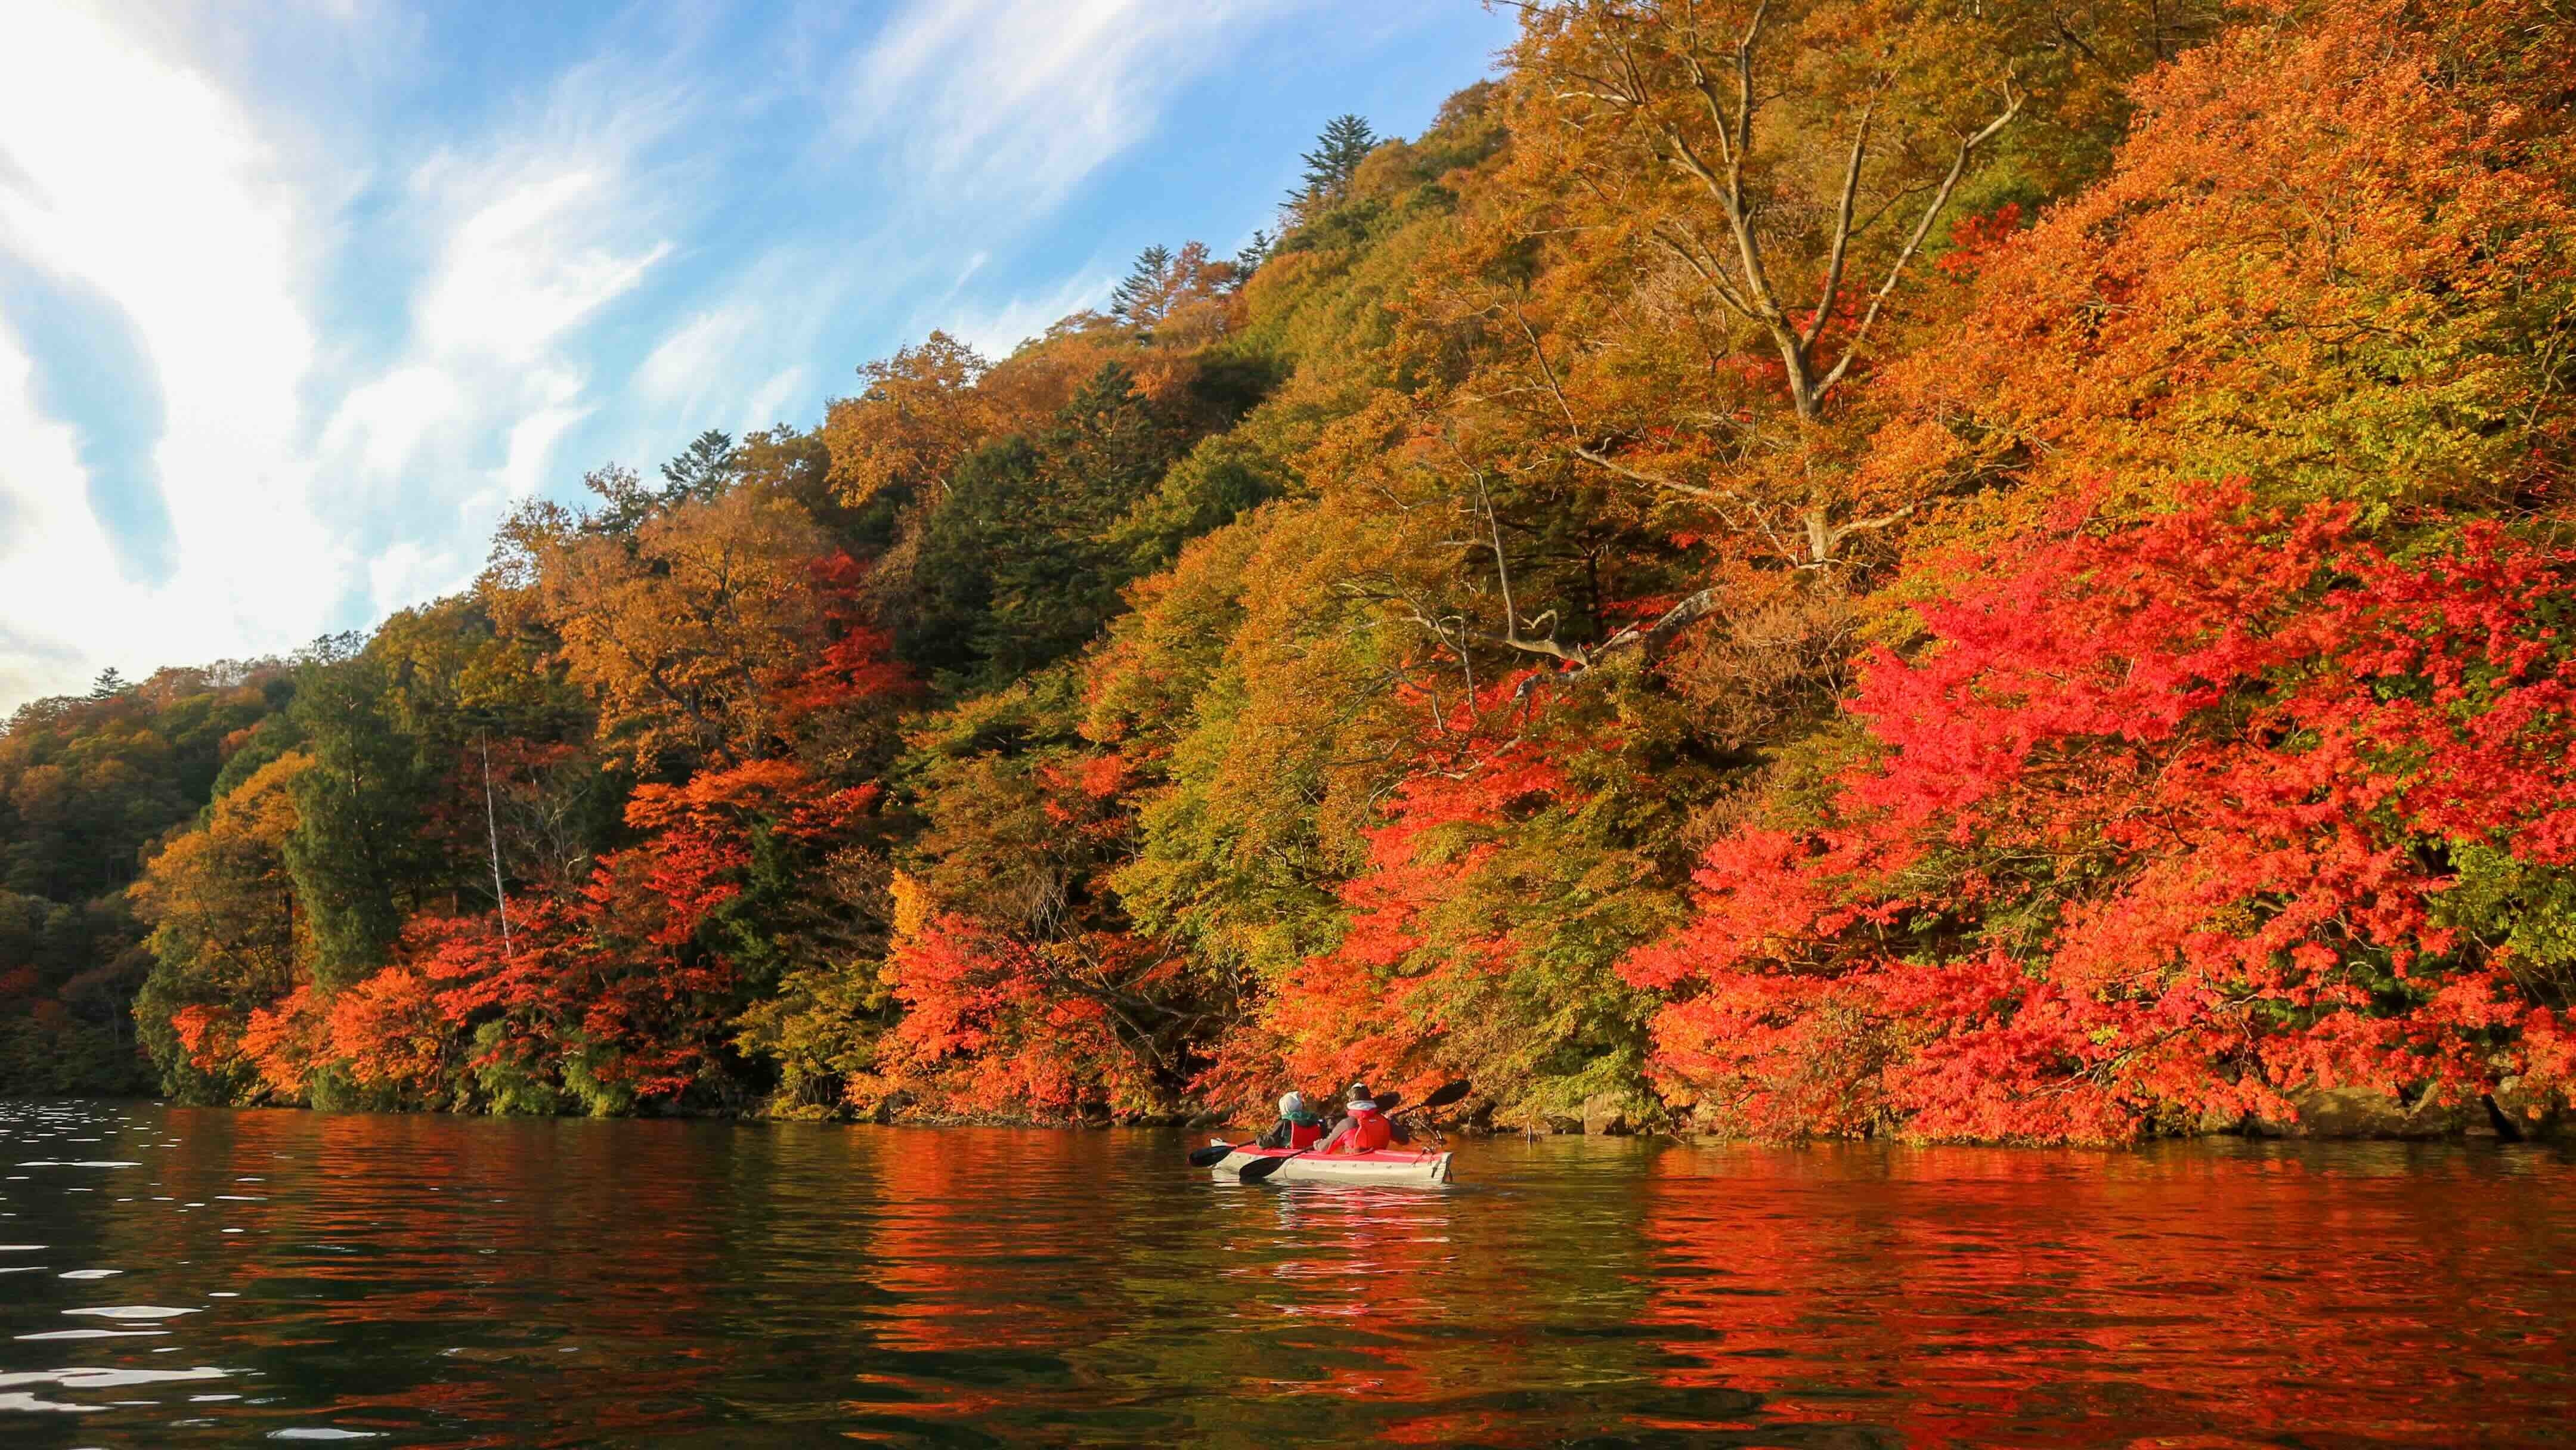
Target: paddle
1260, 1169
1214, 1153
1447, 1093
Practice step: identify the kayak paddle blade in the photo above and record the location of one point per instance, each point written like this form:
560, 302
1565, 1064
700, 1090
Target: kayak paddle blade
1210, 1156
1448, 1093
1260, 1169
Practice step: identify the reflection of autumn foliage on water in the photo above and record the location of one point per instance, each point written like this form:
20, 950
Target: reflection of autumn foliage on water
951, 1285
345, 1245
1910, 1294
1369, 1258
1329, 1313
627, 1333
561, 1283
1412, 1329
981, 1309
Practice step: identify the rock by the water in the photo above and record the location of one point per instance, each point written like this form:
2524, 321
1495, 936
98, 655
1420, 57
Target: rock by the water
2364, 1113
1604, 1115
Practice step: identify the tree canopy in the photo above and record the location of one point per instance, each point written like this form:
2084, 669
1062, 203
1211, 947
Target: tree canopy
1988, 572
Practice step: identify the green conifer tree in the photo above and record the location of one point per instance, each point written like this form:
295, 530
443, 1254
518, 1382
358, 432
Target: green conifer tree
702, 470
1345, 143
1138, 300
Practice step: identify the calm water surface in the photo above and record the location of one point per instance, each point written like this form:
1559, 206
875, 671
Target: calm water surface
172, 1277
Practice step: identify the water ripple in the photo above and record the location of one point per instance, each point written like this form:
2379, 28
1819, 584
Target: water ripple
445, 1282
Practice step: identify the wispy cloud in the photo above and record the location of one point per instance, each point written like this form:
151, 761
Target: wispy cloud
995, 328
1023, 99
536, 256
50, 548
319, 289
535, 231
676, 373
957, 118
531, 444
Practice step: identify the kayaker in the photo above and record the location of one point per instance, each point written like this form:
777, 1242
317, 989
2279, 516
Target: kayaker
1363, 1129
1297, 1128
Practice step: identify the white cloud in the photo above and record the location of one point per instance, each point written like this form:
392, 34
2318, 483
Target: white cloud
532, 444
140, 179
383, 421
735, 363
409, 573
535, 232
771, 400
52, 554
384, 286
131, 170
1024, 98
538, 254
995, 330
680, 372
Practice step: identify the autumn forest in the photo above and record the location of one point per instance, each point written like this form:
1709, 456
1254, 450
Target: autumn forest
1788, 568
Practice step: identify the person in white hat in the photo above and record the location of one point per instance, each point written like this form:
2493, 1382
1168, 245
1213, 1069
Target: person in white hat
1297, 1128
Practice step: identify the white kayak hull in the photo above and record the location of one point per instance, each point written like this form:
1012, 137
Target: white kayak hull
1402, 1166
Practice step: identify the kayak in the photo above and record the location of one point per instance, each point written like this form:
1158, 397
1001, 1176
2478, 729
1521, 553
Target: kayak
1416, 1166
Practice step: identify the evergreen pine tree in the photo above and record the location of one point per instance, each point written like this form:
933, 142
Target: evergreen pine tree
1346, 142
1023, 563
359, 841
700, 472
1138, 300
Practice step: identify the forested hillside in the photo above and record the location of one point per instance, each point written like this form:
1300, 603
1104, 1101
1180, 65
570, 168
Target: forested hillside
1989, 571
89, 787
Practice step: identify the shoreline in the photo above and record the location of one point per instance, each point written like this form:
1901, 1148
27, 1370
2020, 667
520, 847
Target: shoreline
2330, 1116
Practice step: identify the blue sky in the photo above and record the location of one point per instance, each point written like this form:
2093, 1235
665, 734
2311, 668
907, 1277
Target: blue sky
297, 298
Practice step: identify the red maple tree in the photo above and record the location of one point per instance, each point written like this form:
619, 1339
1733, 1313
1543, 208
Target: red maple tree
2160, 824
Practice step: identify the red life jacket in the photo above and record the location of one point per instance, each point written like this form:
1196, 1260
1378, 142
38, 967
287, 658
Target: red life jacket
1369, 1131
1304, 1135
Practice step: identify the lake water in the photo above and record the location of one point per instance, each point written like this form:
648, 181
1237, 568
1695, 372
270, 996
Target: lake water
172, 1277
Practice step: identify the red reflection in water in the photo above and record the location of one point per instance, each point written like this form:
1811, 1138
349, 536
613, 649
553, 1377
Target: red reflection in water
514, 1283
932, 1247
2227, 1297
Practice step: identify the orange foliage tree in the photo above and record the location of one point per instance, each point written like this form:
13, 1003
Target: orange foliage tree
2335, 259
1022, 981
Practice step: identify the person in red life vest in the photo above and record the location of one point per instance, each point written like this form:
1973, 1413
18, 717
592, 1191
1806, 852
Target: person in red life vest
1297, 1128
1363, 1129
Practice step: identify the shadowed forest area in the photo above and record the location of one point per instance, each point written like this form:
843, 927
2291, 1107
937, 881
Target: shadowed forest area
1993, 572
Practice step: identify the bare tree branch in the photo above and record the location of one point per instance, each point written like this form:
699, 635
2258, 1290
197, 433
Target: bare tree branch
1574, 427
1922, 228
1843, 222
